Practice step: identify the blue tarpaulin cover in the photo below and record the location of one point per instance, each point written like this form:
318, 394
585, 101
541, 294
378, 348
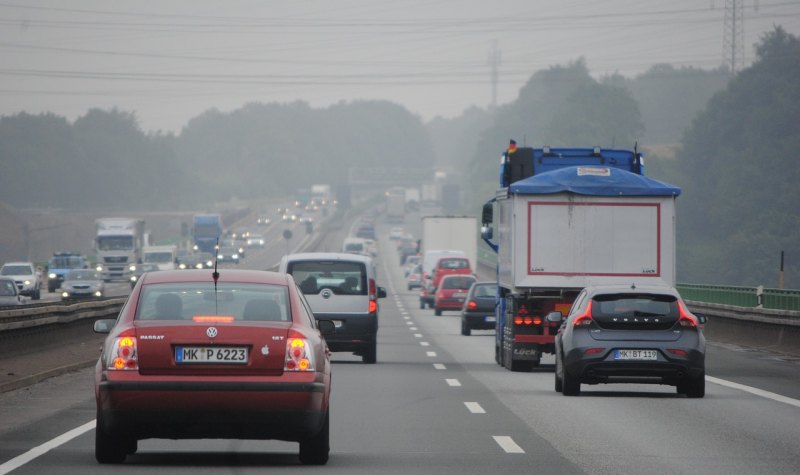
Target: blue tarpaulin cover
593, 180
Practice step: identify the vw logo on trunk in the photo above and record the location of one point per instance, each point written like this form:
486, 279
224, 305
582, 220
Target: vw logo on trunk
211, 332
326, 293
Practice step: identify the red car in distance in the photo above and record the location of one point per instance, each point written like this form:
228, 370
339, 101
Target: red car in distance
452, 293
191, 356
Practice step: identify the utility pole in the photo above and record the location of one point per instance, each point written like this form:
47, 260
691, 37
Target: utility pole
494, 64
733, 35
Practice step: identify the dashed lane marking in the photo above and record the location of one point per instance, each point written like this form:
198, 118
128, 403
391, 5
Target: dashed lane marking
507, 444
424, 343
475, 408
453, 383
439, 366
431, 354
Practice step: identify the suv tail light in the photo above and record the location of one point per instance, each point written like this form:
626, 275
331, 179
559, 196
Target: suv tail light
585, 319
686, 319
123, 354
472, 305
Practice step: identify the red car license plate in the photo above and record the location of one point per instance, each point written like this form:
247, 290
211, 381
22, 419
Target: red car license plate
214, 355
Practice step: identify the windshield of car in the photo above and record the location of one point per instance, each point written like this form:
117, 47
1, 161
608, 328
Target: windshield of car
485, 290
7, 288
354, 247
16, 270
83, 275
66, 262
457, 282
162, 257
453, 264
185, 301
342, 277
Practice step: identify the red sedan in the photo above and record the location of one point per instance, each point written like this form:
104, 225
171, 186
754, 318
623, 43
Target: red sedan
452, 292
191, 356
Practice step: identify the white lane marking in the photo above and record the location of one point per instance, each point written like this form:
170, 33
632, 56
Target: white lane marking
453, 383
507, 443
475, 408
439, 366
424, 343
755, 391
417, 335
409, 323
28, 456
431, 354
413, 329
407, 318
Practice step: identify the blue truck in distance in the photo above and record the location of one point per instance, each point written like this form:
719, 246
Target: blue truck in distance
206, 232
563, 219
60, 264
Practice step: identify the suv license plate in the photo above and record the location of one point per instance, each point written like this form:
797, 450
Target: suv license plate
214, 355
489, 318
638, 355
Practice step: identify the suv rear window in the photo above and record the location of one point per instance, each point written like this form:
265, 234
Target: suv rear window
458, 282
342, 277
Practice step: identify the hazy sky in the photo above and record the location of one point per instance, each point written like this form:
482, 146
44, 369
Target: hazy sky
169, 60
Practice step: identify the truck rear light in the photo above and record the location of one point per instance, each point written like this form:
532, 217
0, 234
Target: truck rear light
299, 355
123, 354
526, 320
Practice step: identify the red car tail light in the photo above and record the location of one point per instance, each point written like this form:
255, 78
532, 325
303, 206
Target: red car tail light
299, 355
686, 319
585, 319
123, 354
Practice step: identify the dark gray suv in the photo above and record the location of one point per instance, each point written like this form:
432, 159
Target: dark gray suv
630, 334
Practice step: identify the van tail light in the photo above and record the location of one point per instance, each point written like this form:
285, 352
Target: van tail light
585, 319
299, 354
686, 319
472, 305
123, 355
373, 296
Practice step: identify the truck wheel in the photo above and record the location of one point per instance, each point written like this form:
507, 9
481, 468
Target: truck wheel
570, 386
465, 329
437, 312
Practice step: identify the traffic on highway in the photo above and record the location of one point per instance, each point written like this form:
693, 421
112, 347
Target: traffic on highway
430, 398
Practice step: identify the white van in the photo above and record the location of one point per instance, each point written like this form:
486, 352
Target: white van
340, 287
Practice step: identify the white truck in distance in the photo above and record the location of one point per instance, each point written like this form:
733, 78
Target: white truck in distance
162, 256
118, 244
459, 233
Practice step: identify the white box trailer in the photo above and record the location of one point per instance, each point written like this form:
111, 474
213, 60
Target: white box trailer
573, 241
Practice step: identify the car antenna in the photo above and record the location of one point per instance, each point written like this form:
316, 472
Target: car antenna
215, 276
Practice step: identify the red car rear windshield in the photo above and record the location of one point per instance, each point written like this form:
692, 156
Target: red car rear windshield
454, 264
457, 282
187, 301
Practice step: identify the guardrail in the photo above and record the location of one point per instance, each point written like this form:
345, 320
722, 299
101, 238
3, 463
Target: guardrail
748, 297
58, 313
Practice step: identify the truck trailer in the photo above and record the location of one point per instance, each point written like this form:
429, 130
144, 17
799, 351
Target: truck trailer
564, 219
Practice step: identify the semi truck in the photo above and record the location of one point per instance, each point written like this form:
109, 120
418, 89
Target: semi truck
118, 244
563, 219
206, 232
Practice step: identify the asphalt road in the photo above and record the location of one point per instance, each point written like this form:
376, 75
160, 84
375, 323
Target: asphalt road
437, 402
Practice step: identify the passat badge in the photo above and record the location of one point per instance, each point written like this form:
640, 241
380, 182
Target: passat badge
211, 332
